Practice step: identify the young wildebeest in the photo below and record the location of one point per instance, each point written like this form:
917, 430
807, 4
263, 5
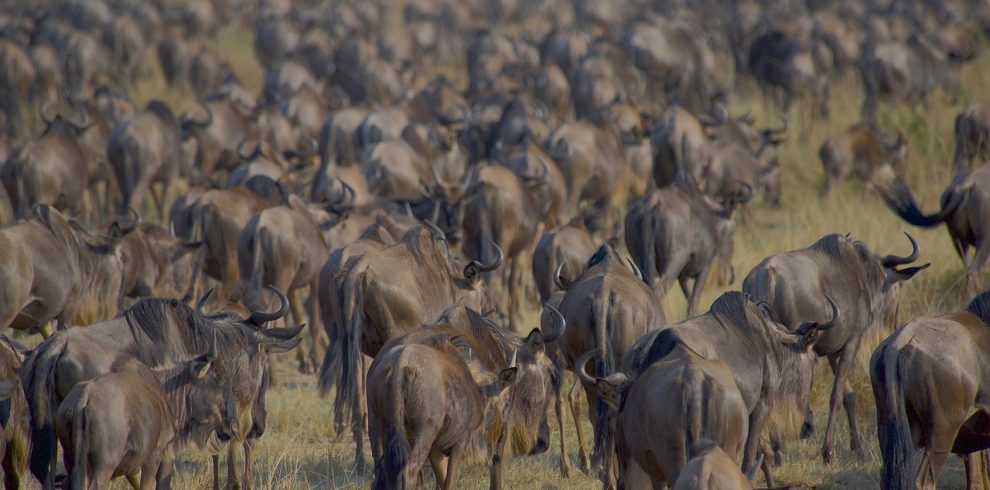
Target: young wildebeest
131, 422
965, 210
972, 134
675, 233
15, 433
863, 285
930, 399
675, 402
383, 293
607, 307
770, 365
710, 468
157, 332
430, 391
861, 151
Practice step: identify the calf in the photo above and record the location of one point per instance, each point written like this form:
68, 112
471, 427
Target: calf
132, 421
861, 151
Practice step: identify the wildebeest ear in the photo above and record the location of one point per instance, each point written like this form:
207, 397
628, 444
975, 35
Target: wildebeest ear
506, 378
897, 275
283, 346
7, 389
114, 234
199, 367
808, 338
608, 392
534, 341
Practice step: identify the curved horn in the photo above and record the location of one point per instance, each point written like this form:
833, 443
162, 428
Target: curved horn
556, 278
894, 260
193, 123
81, 124
780, 130
438, 234
202, 302
135, 222
436, 175
346, 200
253, 154
45, 116
579, 366
635, 268
835, 315
512, 363
212, 354
560, 321
494, 265
747, 194
261, 317
713, 119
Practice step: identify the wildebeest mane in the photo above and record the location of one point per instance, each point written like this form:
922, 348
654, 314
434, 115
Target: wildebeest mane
162, 111
155, 321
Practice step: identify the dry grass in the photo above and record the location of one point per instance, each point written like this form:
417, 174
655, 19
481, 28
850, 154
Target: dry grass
300, 448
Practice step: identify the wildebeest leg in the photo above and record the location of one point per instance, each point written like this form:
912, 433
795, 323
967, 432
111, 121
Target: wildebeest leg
320, 341
558, 407
495, 476
515, 293
216, 471
841, 393
422, 441
297, 317
360, 417
979, 260
699, 285
976, 471
159, 196
767, 467
248, 465
757, 419
439, 468
233, 479
579, 427
14, 465
454, 465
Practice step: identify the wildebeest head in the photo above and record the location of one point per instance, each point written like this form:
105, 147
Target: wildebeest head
211, 405
446, 199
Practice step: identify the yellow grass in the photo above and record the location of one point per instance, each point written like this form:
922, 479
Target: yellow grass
300, 448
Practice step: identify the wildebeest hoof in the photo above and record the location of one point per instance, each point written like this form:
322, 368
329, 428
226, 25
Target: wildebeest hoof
828, 456
807, 430
565, 471
778, 457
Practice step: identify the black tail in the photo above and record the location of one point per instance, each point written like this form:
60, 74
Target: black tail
38, 380
396, 451
896, 442
900, 200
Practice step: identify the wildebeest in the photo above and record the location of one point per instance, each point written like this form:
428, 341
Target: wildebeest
145, 150
779, 61
384, 293
157, 332
673, 404
771, 366
156, 263
435, 393
15, 432
710, 468
862, 151
285, 246
862, 283
676, 233
908, 71
56, 270
972, 134
49, 170
500, 208
930, 400
562, 252
607, 308
131, 422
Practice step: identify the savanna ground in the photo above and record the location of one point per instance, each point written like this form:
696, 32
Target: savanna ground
300, 448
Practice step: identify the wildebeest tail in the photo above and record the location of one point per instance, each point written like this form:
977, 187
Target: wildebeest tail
604, 437
77, 476
38, 380
396, 450
896, 442
962, 140
900, 200
346, 352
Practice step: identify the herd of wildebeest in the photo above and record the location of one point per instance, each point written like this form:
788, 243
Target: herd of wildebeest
404, 168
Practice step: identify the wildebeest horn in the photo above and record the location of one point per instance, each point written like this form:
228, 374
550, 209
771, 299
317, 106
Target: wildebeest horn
346, 199
714, 118
193, 123
579, 366
560, 320
261, 317
437, 232
835, 315
541, 178
894, 260
135, 222
212, 353
202, 302
81, 124
512, 363
747, 194
45, 116
436, 175
635, 268
780, 130
489, 267
556, 278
